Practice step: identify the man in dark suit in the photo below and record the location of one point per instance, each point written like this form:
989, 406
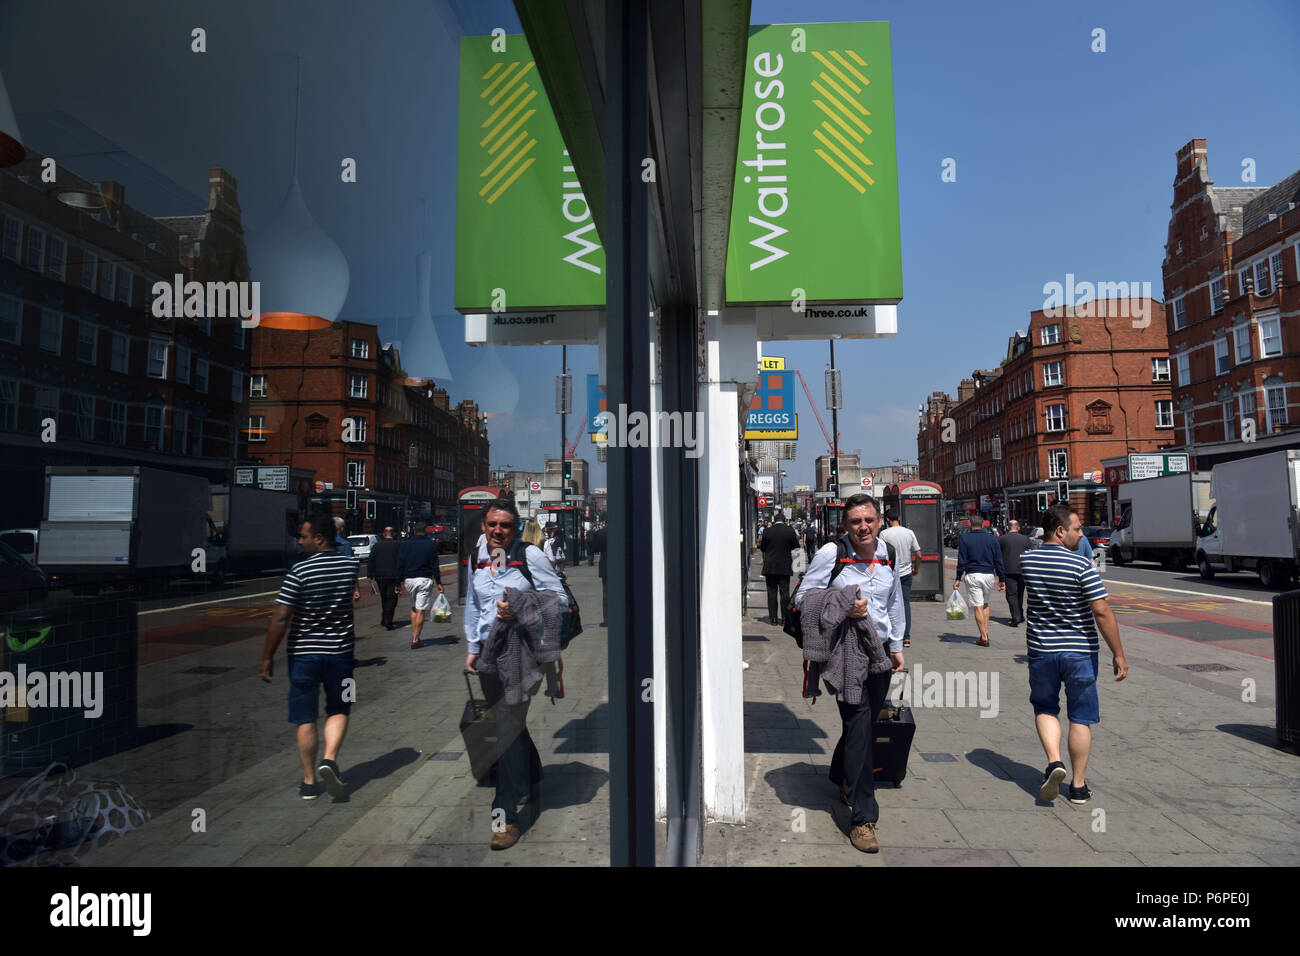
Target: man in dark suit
1013, 545
383, 571
776, 544
596, 544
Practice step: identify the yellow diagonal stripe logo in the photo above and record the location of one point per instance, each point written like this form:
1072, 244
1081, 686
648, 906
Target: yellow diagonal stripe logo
844, 129
507, 93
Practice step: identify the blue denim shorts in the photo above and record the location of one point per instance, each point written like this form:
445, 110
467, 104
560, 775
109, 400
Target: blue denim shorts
1078, 672
307, 672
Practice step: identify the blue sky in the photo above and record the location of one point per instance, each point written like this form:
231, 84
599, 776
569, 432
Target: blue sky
1065, 158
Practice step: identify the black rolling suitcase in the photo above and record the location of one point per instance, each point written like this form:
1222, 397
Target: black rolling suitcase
478, 727
892, 733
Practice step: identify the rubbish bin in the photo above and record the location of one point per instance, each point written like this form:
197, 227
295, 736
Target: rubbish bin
1286, 667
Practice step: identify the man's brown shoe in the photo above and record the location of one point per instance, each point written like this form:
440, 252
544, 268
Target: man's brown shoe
863, 837
506, 838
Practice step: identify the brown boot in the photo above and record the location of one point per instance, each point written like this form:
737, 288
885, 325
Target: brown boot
505, 839
863, 837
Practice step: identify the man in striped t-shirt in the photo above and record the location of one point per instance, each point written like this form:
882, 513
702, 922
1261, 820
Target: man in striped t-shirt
1065, 596
314, 608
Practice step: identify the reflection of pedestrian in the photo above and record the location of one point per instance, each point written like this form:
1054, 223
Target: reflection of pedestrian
382, 568
776, 544
1065, 597
314, 609
519, 768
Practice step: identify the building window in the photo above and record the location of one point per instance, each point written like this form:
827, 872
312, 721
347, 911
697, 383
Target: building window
1051, 334
1221, 361
198, 437
360, 349
1275, 265
121, 352
236, 385
13, 238
8, 404
1275, 405
1058, 463
1270, 336
11, 320
1216, 295
358, 429
1052, 373
47, 405
87, 342
1160, 370
35, 257
157, 359
180, 431
1055, 418
153, 426
1189, 415
1241, 341
356, 473
256, 428
357, 387
201, 375
257, 386
117, 423
1184, 373
88, 262
1263, 280
58, 258
107, 272
83, 424
124, 286
1229, 420
1246, 408
1180, 313
51, 332
182, 373
1164, 414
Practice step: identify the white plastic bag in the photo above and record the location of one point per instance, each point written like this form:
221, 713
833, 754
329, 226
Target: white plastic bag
957, 607
442, 609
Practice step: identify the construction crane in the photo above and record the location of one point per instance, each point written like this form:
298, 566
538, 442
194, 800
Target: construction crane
571, 447
830, 445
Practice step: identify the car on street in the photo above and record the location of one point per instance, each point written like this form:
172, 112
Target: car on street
22, 540
361, 545
1098, 537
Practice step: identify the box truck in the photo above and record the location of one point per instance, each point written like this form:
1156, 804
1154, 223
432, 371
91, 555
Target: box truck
250, 529
1159, 518
1252, 526
121, 525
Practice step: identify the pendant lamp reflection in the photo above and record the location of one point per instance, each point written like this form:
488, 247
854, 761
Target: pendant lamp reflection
422, 354
494, 386
303, 274
11, 141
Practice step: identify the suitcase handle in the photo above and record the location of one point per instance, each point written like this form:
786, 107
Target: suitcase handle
472, 702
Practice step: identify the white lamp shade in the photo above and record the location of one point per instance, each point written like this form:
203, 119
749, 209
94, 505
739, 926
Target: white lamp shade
303, 274
423, 356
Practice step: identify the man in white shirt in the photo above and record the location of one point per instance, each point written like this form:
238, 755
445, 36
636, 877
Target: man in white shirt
906, 550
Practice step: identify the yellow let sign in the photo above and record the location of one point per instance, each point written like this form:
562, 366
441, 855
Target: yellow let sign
771, 363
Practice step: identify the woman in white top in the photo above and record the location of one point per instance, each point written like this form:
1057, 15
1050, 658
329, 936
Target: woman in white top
555, 549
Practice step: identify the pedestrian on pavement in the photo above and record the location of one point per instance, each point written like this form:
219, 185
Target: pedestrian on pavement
598, 543
417, 566
591, 550
314, 609
1084, 547
979, 559
908, 550
382, 569
777, 544
533, 533
810, 541
880, 600
555, 549
341, 543
1066, 596
1013, 544
519, 768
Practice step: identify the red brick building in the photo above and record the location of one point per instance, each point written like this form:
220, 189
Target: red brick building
338, 403
1230, 278
1085, 384
80, 347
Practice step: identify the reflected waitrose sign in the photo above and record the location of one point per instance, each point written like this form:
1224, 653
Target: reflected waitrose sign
522, 223
815, 202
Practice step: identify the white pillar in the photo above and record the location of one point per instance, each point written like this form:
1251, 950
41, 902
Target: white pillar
731, 339
657, 583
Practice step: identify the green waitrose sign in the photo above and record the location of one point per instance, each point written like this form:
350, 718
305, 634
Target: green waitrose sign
525, 239
815, 204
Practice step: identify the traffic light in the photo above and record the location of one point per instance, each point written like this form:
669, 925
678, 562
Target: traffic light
1063, 491
370, 509
352, 499
1042, 501
568, 471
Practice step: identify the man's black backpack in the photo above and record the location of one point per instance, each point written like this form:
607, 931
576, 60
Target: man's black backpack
571, 624
794, 617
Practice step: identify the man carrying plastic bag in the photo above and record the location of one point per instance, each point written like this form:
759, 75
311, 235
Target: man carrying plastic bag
957, 607
441, 609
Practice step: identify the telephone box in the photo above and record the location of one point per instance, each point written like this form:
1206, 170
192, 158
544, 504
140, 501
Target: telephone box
920, 508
